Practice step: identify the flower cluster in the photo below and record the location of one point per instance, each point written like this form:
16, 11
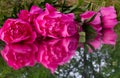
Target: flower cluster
47, 36
103, 23
49, 53
38, 23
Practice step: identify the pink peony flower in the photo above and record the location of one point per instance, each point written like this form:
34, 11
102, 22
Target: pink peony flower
29, 16
19, 55
56, 52
54, 24
16, 30
109, 37
108, 17
96, 23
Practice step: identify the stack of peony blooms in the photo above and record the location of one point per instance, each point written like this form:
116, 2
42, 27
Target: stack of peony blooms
49, 36
38, 23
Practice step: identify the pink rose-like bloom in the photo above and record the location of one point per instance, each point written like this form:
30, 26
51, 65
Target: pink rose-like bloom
56, 52
16, 30
108, 17
19, 55
95, 23
52, 23
109, 37
29, 16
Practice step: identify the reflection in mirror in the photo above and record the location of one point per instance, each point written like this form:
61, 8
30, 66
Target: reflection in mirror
50, 53
100, 63
54, 52
19, 55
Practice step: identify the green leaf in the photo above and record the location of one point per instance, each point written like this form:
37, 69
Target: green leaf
50, 1
29, 6
86, 48
64, 3
90, 46
91, 19
79, 2
90, 32
87, 6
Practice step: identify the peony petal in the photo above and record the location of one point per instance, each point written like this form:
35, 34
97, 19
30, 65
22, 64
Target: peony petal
96, 43
87, 15
108, 17
109, 23
50, 8
106, 11
35, 9
24, 15
109, 37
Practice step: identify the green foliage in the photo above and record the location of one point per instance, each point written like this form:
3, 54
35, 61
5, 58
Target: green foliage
38, 71
90, 32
